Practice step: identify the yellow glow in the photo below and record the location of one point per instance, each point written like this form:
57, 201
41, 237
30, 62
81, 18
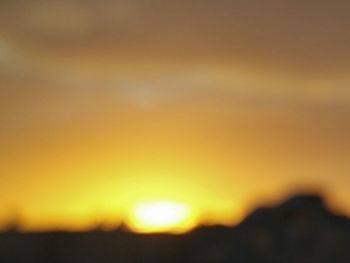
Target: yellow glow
162, 216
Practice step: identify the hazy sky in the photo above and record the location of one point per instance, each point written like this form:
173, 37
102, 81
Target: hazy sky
215, 103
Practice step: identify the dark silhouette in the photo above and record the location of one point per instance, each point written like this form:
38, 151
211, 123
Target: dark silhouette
301, 229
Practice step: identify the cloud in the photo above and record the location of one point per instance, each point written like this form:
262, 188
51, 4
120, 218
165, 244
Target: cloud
295, 35
158, 52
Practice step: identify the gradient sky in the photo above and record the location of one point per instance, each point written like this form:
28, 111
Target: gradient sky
213, 103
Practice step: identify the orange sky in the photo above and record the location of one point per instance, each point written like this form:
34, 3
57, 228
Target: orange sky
218, 105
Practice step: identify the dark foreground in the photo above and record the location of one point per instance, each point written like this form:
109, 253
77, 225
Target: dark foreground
299, 230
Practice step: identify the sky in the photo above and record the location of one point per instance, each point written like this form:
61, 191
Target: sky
221, 105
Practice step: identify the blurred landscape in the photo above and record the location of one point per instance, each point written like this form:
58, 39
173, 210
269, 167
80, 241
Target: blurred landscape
172, 131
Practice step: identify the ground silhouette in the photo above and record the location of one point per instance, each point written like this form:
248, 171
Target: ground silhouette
300, 229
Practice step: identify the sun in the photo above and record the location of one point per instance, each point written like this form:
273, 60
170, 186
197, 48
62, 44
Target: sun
161, 216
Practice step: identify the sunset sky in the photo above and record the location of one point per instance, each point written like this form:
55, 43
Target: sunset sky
220, 105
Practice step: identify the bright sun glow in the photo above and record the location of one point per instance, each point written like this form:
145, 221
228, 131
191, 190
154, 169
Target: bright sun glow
162, 216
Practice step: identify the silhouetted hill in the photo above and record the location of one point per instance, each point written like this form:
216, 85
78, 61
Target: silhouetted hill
300, 229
